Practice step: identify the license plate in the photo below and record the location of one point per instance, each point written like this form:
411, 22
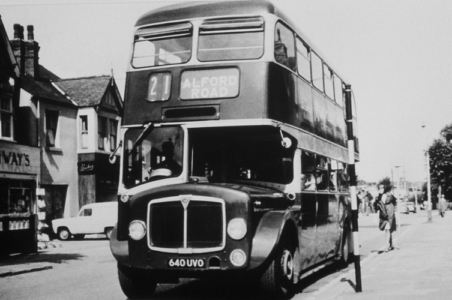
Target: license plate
186, 263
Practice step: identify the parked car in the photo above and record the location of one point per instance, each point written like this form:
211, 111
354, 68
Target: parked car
92, 218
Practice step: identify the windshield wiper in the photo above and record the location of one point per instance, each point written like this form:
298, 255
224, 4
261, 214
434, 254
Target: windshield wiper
147, 129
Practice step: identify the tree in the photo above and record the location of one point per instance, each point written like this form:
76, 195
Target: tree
446, 133
440, 153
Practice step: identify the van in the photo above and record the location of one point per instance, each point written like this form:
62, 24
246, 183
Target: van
92, 218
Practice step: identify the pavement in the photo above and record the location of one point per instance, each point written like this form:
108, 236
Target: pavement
418, 268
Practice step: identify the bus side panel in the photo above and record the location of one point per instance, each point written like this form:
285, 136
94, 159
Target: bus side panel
307, 230
334, 233
321, 235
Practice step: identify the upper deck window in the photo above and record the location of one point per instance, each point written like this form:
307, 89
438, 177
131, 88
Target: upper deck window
285, 46
231, 39
162, 45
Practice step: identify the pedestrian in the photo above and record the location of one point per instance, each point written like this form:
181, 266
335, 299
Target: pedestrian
442, 206
385, 206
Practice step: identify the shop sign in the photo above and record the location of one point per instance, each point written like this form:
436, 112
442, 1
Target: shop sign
19, 159
86, 167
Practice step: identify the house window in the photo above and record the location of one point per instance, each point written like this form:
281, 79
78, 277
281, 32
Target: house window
6, 118
102, 131
113, 129
52, 128
84, 131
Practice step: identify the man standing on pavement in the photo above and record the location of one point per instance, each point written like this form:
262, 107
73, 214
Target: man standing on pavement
442, 206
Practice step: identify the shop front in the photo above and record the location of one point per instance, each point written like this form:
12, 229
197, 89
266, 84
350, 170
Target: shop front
19, 168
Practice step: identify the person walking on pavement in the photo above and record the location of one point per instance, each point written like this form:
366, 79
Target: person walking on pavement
385, 205
442, 206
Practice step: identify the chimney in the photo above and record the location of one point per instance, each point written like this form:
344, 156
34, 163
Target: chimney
26, 51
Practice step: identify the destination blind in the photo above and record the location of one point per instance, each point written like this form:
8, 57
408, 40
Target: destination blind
210, 84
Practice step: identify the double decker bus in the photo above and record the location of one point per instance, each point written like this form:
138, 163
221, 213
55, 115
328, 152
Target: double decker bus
234, 157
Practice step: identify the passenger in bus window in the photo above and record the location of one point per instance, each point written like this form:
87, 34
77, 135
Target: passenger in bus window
307, 182
280, 50
321, 180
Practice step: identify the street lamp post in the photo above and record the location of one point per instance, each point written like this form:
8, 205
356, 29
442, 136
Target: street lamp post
429, 190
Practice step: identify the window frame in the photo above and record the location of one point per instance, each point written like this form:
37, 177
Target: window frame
292, 65
299, 41
10, 114
52, 116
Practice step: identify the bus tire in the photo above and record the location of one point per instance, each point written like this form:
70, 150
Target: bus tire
278, 279
135, 283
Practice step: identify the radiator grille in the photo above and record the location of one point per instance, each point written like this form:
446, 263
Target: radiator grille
186, 224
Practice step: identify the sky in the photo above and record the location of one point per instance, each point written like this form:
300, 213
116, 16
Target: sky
396, 54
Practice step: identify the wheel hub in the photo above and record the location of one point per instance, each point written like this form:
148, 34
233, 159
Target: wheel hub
287, 265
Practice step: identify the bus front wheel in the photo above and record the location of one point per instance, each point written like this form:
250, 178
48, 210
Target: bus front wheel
136, 283
278, 279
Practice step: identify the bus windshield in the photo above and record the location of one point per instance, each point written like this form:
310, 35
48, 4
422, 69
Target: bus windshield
162, 45
157, 156
231, 39
219, 155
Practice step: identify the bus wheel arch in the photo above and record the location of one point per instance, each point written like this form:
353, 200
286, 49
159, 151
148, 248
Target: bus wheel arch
281, 274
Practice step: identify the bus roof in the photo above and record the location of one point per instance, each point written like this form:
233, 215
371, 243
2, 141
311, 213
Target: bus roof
195, 10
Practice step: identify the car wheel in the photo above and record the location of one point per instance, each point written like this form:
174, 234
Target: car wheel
108, 232
278, 279
63, 234
136, 283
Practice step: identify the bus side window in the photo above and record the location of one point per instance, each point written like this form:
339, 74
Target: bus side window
322, 173
303, 60
343, 177
285, 46
333, 175
308, 171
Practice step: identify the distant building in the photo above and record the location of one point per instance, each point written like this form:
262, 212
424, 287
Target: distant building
98, 119
59, 121
20, 166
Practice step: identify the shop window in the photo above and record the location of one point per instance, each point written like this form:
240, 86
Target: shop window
84, 131
52, 139
113, 133
6, 118
102, 130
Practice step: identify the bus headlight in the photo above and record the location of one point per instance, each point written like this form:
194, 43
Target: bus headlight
124, 198
137, 230
238, 257
237, 228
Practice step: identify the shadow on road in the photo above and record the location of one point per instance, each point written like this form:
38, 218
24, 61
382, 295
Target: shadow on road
56, 258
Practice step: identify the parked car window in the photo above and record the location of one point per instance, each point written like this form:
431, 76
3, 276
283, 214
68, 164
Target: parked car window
87, 212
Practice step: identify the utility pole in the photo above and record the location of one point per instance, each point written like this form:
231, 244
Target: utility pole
352, 174
429, 188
